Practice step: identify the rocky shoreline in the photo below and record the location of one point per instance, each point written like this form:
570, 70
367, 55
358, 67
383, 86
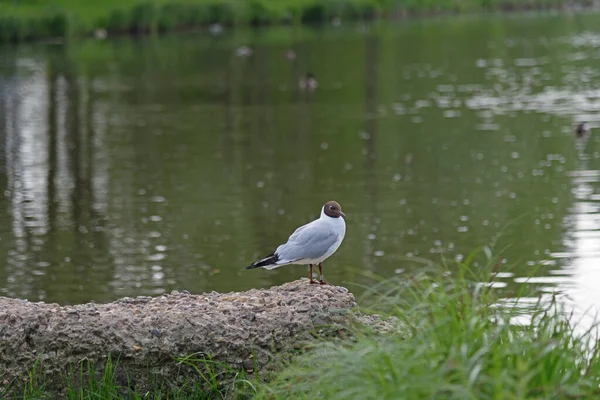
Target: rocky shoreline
249, 331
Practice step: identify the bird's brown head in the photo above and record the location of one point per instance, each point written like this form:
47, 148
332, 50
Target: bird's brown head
333, 209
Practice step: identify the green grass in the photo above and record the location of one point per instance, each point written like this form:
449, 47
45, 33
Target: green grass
22, 20
455, 344
451, 340
209, 380
30, 19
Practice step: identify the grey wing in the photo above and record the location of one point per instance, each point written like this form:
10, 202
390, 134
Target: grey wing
308, 242
296, 233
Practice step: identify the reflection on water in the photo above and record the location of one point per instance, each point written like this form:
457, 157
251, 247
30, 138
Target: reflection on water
135, 167
575, 283
55, 181
582, 242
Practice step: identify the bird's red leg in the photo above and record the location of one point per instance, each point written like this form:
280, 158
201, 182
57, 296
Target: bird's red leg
321, 281
310, 276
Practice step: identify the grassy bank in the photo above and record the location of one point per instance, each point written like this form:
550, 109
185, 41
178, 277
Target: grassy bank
456, 345
209, 380
453, 342
22, 20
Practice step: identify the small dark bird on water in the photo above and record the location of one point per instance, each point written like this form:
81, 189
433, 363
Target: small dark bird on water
311, 243
581, 129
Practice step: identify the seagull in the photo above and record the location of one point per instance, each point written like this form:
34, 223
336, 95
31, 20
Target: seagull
100, 33
215, 29
244, 51
308, 82
290, 55
311, 243
581, 129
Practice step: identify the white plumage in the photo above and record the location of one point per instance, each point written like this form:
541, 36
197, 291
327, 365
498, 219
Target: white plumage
312, 243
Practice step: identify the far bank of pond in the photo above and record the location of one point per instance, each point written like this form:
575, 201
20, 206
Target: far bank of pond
22, 20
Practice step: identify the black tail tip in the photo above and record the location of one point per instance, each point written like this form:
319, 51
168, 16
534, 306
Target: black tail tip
268, 260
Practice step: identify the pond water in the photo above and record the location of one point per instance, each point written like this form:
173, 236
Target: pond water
138, 166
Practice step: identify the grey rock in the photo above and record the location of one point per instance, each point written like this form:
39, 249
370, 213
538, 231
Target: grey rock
150, 333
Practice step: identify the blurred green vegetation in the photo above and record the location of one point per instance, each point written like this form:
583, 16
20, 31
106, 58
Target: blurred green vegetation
22, 20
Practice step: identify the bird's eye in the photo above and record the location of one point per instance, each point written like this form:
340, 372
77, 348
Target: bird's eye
331, 207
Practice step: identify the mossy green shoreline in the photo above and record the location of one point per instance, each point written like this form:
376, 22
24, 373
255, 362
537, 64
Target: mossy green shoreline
26, 20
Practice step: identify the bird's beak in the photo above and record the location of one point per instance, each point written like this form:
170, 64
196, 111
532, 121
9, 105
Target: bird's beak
343, 215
